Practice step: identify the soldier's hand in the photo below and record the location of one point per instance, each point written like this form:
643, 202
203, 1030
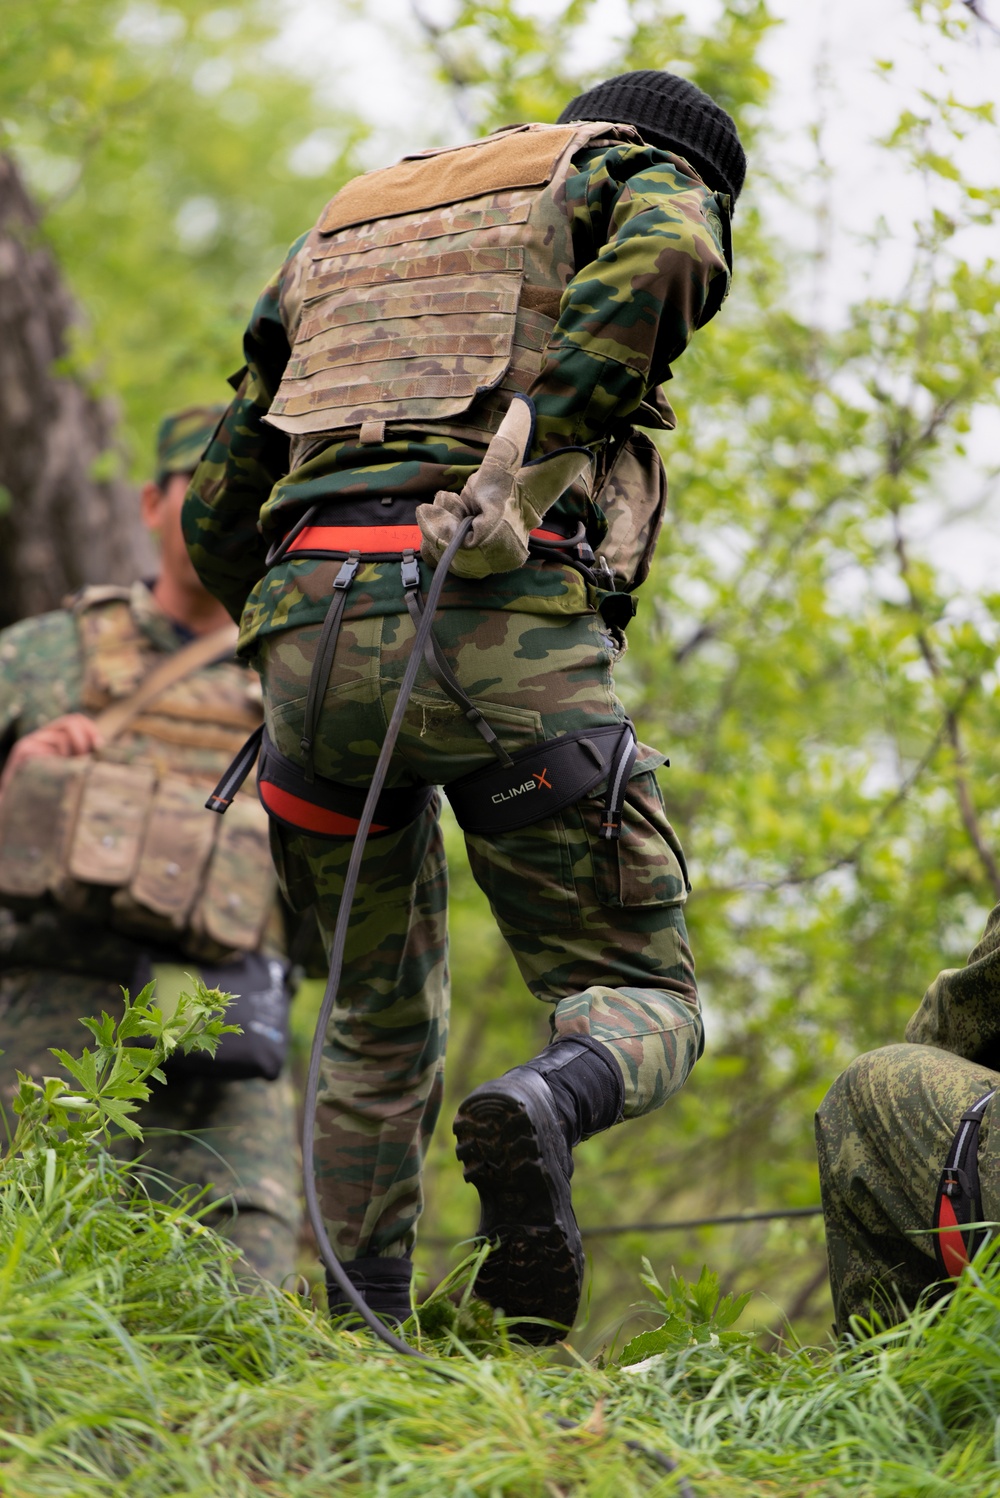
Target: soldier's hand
66, 737
507, 495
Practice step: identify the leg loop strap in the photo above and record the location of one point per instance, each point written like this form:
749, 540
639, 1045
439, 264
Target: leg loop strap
320, 675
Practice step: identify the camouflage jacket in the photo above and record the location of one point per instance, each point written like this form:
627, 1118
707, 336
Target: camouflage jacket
79, 659
652, 263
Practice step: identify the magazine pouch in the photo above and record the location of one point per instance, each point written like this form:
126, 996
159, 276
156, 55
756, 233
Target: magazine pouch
36, 817
239, 890
168, 875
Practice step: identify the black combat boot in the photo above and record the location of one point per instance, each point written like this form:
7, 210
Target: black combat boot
384, 1284
514, 1141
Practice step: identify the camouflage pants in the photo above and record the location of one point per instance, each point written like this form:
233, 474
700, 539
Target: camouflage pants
596, 927
234, 1140
883, 1132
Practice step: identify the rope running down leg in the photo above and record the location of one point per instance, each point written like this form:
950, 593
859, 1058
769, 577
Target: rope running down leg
326, 1253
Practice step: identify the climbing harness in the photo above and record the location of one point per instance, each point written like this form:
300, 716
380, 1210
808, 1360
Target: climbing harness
521, 788
958, 1201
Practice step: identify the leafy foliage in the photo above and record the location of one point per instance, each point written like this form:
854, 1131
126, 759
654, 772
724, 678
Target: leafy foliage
162, 142
111, 1081
694, 1313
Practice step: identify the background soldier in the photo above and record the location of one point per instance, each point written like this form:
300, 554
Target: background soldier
909, 1146
109, 874
485, 324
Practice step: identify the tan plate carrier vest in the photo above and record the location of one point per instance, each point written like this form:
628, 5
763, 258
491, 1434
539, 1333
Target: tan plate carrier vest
428, 295
122, 836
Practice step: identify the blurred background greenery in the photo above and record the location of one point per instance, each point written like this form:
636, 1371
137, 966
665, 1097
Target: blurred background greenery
824, 685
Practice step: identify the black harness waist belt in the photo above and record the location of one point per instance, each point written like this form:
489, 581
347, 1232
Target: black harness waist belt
539, 782
959, 1201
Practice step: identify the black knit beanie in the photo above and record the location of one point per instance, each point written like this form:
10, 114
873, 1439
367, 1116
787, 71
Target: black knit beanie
669, 111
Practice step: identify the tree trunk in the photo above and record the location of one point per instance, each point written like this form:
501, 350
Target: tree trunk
60, 525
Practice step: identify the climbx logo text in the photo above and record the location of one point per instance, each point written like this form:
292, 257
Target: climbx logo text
537, 781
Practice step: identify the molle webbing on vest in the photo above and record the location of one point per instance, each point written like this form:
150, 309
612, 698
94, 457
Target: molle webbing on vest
433, 287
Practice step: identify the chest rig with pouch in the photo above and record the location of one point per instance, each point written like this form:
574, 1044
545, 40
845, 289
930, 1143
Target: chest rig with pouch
119, 837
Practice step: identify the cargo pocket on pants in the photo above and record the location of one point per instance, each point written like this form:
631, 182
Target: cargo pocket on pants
646, 865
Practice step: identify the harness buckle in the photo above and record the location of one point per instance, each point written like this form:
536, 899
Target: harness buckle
605, 576
347, 573
956, 1182
409, 569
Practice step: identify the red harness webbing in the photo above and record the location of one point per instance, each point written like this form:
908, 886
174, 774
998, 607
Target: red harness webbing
364, 539
305, 815
954, 1255
359, 538
959, 1202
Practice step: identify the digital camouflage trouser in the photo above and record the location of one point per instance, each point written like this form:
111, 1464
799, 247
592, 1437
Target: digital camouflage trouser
596, 927
883, 1132
233, 1139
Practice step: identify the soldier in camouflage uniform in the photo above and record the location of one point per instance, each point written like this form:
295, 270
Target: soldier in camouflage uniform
884, 1132
549, 270
69, 938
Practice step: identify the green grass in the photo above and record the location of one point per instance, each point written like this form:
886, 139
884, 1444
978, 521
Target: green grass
133, 1360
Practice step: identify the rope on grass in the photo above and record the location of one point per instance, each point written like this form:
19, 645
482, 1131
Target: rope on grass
699, 1222
616, 1230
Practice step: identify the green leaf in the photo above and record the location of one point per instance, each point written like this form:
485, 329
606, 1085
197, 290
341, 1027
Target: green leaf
119, 1113
672, 1334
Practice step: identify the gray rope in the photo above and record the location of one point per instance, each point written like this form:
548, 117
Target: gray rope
681, 1224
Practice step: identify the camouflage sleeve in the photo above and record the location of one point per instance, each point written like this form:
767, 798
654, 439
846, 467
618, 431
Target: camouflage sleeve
242, 463
652, 244
41, 674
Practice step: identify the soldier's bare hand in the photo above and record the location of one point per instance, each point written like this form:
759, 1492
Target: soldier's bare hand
65, 737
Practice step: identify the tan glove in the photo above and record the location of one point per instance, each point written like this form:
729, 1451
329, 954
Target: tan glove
507, 496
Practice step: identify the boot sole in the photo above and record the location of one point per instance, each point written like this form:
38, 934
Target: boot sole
510, 1144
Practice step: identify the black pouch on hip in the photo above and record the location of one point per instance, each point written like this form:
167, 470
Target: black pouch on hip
260, 1006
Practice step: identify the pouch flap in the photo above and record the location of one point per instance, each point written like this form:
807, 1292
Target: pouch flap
241, 884
633, 498
175, 851
111, 821
35, 817
521, 158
